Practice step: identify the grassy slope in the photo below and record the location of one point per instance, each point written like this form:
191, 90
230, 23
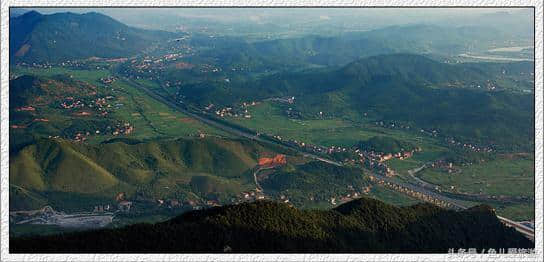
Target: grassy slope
56, 165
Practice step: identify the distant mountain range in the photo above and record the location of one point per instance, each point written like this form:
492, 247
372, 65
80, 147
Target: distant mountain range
66, 36
14, 12
364, 225
441, 41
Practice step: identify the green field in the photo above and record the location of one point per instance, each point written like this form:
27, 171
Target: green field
90, 76
392, 197
153, 120
150, 118
510, 177
502, 176
270, 117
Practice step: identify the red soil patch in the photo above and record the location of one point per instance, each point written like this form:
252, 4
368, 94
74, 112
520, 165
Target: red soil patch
277, 160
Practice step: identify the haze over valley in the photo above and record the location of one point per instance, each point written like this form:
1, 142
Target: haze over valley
382, 130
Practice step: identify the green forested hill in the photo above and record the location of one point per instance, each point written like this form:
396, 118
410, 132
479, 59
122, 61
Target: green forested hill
66, 36
456, 99
341, 49
362, 225
385, 144
205, 166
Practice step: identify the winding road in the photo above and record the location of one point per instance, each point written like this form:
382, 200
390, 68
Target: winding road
528, 232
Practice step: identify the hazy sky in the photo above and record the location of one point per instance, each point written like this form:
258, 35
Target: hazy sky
159, 17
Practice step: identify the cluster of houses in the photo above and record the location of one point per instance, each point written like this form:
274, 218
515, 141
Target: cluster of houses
79, 137
145, 68
125, 129
488, 84
227, 111
382, 157
284, 100
350, 195
233, 112
250, 196
171, 56
101, 104
412, 193
107, 80
371, 159
45, 65
137, 202
119, 129
377, 160
36, 65
390, 124
445, 166
122, 206
206, 68
248, 104
72, 103
189, 204
305, 146
293, 114
237, 69
470, 146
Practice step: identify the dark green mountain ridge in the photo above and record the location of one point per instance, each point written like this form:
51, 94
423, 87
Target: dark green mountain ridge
363, 225
66, 36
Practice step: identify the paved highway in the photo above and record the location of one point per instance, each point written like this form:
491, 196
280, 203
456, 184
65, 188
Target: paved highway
519, 227
527, 231
221, 126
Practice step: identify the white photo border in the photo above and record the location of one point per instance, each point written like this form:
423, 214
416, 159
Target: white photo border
4, 128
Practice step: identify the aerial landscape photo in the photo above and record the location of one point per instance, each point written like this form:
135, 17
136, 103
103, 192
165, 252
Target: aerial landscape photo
271, 130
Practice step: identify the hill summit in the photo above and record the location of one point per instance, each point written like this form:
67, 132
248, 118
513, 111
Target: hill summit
36, 37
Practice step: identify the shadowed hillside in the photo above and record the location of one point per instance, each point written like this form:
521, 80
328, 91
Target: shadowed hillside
363, 225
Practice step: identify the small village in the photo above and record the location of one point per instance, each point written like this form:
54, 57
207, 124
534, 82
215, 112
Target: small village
413, 193
238, 111
469, 146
